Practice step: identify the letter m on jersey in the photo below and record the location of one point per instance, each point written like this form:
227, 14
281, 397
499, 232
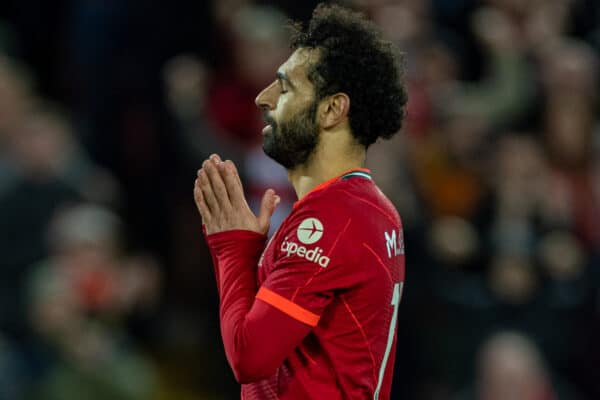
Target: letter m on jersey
394, 243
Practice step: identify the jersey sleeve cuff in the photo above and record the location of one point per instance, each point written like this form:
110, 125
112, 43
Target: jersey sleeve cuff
288, 307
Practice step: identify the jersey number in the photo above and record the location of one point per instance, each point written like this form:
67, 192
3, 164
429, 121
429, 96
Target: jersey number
390, 340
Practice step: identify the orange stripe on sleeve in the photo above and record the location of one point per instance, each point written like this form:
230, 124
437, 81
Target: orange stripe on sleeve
287, 307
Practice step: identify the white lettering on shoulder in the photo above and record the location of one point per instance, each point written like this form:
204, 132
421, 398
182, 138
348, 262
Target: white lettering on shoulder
394, 243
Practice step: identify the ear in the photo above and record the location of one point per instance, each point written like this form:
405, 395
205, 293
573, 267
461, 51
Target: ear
333, 110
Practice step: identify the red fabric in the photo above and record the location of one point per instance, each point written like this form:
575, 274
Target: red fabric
256, 336
339, 275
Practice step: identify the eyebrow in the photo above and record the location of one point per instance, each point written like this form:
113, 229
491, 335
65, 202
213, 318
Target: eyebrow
282, 76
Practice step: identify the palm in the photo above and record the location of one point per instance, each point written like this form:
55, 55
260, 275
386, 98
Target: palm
219, 195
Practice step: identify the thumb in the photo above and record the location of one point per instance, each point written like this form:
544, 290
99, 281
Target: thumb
267, 206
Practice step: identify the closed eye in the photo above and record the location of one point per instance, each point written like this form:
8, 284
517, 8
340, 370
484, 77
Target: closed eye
282, 88
283, 81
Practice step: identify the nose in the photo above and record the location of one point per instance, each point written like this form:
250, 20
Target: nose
266, 99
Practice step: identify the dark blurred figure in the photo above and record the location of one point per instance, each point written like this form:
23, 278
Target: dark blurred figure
510, 366
42, 169
32, 190
79, 300
48, 171
571, 78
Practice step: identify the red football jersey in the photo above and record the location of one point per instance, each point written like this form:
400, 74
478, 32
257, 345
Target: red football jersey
335, 268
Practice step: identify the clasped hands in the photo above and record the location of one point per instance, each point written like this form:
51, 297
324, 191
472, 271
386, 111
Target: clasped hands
220, 199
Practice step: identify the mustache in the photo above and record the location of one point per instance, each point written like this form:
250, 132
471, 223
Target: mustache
268, 119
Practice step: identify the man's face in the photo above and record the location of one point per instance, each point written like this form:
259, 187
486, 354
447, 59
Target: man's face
290, 109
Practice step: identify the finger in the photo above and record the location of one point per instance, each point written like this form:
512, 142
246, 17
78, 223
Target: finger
201, 203
233, 184
267, 206
231, 165
221, 166
207, 192
217, 184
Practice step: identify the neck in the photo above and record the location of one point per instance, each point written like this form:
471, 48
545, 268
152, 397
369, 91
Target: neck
332, 157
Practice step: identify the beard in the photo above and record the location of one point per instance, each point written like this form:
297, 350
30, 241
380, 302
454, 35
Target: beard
292, 142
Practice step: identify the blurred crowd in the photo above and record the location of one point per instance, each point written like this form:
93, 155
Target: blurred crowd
108, 108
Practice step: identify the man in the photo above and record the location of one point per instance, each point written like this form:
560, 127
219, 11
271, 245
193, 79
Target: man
312, 314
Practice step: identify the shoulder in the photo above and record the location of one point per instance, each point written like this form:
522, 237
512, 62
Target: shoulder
357, 199
345, 209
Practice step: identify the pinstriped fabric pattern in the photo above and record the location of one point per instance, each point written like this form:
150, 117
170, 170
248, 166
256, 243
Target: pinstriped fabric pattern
353, 294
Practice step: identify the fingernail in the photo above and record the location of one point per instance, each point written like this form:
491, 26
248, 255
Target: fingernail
277, 200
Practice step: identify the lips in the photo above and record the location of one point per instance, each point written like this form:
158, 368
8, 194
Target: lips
270, 124
267, 130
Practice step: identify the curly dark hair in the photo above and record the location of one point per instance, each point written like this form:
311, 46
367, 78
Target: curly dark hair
356, 60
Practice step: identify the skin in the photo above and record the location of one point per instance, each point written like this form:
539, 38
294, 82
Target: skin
218, 189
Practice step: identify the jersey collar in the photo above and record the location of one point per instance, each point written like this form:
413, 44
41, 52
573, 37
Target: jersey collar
352, 173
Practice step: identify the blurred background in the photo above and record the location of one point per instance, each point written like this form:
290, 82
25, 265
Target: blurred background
108, 107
